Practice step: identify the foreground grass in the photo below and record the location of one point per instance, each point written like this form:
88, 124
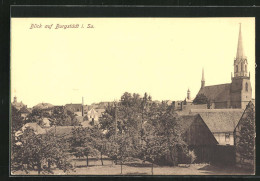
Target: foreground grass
139, 168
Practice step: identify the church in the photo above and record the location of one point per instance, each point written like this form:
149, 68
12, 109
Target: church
236, 94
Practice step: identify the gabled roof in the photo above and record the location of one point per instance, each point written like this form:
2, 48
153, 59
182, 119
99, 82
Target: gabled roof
185, 121
216, 93
221, 120
62, 130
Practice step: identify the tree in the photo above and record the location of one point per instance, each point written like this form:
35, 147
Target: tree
17, 120
99, 141
43, 151
82, 144
202, 99
246, 143
162, 135
62, 117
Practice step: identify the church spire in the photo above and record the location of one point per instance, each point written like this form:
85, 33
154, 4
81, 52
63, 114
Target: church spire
240, 62
202, 79
240, 51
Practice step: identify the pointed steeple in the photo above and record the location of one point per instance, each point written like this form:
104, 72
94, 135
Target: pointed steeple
240, 51
202, 79
240, 62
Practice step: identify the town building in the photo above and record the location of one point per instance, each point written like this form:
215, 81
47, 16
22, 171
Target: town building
236, 94
184, 107
198, 137
221, 122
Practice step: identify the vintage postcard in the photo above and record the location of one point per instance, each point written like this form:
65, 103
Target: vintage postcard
132, 96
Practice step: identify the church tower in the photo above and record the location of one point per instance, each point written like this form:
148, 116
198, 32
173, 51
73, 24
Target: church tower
241, 90
240, 62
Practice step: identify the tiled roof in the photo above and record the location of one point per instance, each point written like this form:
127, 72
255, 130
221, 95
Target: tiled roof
221, 120
62, 130
185, 121
216, 93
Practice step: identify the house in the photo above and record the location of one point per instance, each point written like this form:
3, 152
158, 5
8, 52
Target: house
245, 150
198, 136
77, 109
221, 122
37, 129
236, 94
93, 115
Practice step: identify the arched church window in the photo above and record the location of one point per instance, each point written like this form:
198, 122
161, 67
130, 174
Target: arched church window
242, 67
236, 68
246, 86
246, 68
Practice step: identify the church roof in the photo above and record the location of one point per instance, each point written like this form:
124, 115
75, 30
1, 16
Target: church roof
221, 120
216, 93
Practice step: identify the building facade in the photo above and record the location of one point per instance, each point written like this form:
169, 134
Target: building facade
236, 94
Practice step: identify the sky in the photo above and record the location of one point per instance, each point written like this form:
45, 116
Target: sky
161, 56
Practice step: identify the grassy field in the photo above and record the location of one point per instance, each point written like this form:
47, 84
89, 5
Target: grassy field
139, 168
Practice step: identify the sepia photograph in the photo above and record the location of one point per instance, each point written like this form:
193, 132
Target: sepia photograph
132, 96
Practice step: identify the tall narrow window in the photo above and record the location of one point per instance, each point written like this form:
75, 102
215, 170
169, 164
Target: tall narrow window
236, 68
246, 86
242, 67
246, 68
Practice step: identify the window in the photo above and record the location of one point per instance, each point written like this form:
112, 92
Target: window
246, 68
227, 137
242, 67
236, 68
246, 86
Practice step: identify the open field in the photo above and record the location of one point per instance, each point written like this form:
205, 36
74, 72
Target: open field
139, 168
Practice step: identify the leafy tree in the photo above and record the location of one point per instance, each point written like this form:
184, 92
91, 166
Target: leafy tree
40, 151
246, 143
202, 99
62, 117
16, 119
99, 141
82, 143
162, 135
